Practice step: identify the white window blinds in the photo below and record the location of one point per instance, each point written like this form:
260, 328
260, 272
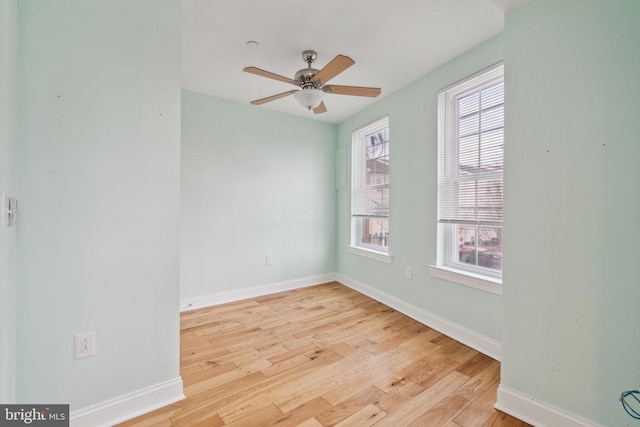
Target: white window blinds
471, 150
370, 177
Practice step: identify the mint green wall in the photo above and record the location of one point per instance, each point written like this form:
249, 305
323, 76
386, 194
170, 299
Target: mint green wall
8, 134
98, 181
98, 177
572, 206
413, 183
254, 183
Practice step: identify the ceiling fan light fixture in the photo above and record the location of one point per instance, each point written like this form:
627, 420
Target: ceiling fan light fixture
309, 98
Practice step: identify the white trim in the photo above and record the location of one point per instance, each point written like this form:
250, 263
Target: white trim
459, 333
367, 253
485, 283
192, 303
129, 405
534, 412
341, 168
379, 119
488, 75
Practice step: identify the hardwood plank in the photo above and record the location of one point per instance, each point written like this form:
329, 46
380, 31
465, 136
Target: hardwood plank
481, 413
325, 356
365, 417
360, 380
397, 393
199, 420
478, 383
195, 374
256, 417
279, 387
475, 364
453, 349
429, 373
350, 406
323, 380
500, 419
210, 399
414, 408
311, 422
223, 380
300, 414
441, 414
357, 375
292, 352
286, 365
481, 409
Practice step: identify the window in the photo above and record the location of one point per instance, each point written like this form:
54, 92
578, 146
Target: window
470, 174
370, 188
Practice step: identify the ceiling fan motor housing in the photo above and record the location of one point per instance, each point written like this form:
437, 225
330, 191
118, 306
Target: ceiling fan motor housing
304, 78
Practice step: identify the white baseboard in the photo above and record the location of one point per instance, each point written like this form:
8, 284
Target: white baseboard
252, 292
128, 406
459, 333
534, 412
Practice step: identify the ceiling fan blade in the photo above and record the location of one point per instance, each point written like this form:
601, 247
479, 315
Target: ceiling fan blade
371, 92
320, 108
333, 68
263, 73
272, 97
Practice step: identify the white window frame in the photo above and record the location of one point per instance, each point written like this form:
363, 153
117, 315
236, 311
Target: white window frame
358, 168
447, 267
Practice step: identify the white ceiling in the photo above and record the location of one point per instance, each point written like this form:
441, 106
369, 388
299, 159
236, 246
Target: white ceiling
392, 42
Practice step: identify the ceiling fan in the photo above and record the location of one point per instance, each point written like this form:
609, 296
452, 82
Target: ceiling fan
312, 83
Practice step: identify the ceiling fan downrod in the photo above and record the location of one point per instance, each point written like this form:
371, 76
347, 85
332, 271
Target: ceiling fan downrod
304, 77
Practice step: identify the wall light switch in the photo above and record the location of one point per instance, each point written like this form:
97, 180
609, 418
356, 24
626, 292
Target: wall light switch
9, 211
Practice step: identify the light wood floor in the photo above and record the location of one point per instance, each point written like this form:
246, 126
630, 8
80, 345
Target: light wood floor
326, 356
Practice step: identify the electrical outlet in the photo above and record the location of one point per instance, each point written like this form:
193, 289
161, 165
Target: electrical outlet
407, 273
85, 345
267, 260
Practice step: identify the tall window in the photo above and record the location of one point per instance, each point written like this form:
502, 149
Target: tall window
471, 158
370, 187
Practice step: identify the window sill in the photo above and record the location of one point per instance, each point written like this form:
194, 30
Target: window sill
484, 283
367, 253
